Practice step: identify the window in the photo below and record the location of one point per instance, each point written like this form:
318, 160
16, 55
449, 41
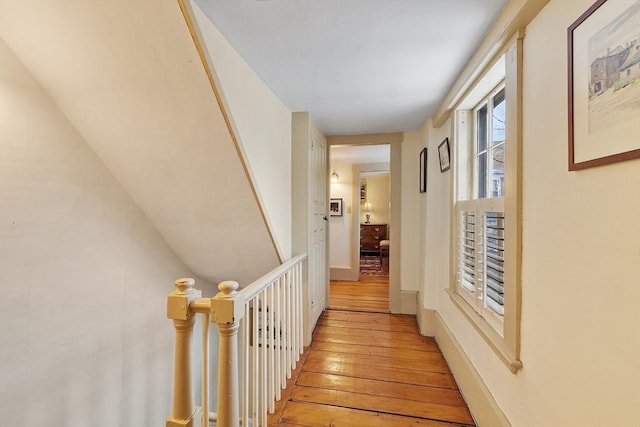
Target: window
480, 266
486, 252
481, 219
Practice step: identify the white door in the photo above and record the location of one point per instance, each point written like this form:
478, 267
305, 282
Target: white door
318, 285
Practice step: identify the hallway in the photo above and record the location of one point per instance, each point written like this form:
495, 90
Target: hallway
366, 367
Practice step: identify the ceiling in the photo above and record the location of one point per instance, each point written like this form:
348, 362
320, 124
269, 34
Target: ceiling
358, 66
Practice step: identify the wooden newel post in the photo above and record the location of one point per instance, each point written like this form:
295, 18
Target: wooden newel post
178, 309
226, 312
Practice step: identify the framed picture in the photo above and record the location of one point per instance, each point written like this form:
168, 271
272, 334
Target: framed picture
335, 207
363, 191
604, 84
423, 170
443, 153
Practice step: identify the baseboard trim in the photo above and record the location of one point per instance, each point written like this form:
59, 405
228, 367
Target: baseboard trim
408, 302
483, 407
342, 273
426, 321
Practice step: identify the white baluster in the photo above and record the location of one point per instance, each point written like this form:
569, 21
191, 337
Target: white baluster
271, 366
290, 322
263, 360
246, 372
205, 370
278, 331
255, 380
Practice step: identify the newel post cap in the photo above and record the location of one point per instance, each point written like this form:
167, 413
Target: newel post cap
185, 285
228, 305
179, 300
228, 288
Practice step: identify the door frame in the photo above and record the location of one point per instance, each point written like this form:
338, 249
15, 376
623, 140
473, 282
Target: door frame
358, 169
395, 175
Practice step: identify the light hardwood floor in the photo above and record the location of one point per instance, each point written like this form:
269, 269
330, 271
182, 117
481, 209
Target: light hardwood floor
371, 293
366, 367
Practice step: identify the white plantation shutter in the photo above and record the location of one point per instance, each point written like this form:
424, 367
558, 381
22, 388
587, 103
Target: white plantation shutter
467, 255
480, 264
494, 262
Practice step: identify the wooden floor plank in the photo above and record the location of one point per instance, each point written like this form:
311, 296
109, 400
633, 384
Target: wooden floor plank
364, 307
418, 393
371, 350
381, 338
314, 415
371, 334
409, 408
367, 325
434, 379
431, 362
387, 319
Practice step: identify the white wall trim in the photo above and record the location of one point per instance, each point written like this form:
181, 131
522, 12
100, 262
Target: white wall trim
426, 318
408, 302
341, 273
483, 406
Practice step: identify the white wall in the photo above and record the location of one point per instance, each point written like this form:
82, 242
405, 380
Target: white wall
581, 262
129, 78
340, 226
412, 213
84, 338
435, 208
263, 127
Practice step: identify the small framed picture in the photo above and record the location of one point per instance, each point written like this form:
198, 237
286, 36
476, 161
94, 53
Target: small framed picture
443, 153
335, 207
423, 170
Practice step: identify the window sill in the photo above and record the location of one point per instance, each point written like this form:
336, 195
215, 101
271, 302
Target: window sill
490, 335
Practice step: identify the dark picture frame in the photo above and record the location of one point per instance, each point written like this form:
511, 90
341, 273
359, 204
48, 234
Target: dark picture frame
444, 155
335, 207
602, 111
363, 191
423, 170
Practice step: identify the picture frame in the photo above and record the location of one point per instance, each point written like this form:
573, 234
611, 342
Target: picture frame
444, 155
423, 170
363, 191
603, 85
335, 207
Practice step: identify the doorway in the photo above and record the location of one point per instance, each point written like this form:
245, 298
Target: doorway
360, 188
374, 223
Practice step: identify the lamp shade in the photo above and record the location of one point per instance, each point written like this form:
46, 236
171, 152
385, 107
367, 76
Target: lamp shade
368, 207
334, 176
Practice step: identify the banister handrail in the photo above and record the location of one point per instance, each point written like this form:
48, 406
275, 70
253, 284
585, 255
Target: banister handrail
251, 290
266, 319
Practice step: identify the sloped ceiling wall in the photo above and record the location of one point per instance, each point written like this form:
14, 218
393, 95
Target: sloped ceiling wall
127, 75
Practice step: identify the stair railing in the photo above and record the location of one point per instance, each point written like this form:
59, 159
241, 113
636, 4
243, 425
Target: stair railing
260, 342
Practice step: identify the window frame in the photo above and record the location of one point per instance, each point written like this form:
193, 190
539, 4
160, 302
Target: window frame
506, 345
